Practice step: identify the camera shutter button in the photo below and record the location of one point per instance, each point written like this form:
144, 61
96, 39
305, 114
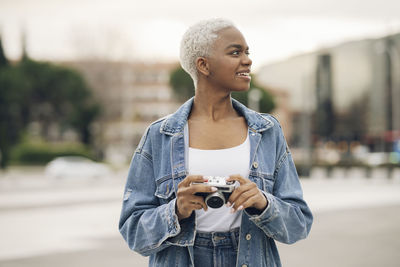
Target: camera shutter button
255, 164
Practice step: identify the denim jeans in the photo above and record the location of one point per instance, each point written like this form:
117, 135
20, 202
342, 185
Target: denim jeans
216, 249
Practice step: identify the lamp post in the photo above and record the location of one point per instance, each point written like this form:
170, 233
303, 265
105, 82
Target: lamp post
254, 98
394, 54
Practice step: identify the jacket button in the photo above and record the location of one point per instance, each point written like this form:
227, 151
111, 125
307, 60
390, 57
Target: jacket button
255, 164
244, 265
248, 237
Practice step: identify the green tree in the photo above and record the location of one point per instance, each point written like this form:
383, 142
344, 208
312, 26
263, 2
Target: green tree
12, 121
44, 93
182, 84
10, 111
59, 95
267, 103
183, 88
3, 58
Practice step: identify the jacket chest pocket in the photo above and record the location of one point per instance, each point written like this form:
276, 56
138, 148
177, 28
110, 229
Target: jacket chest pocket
166, 188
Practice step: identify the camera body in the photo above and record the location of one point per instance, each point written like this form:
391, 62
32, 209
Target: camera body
224, 190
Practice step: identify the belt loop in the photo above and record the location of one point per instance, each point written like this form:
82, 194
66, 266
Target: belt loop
234, 238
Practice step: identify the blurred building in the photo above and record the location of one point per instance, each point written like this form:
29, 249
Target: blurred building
349, 92
132, 95
282, 111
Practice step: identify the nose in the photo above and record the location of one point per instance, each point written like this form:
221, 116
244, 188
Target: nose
246, 60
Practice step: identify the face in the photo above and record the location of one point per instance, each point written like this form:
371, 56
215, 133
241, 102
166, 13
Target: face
229, 63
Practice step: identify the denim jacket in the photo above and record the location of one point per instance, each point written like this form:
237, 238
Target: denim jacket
148, 220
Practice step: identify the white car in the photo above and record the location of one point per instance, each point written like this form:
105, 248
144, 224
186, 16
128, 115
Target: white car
76, 167
377, 158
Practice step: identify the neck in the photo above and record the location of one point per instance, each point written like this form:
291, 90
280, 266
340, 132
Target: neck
212, 106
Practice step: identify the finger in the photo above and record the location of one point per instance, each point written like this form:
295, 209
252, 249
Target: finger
237, 177
239, 191
186, 208
199, 188
197, 205
243, 198
199, 200
203, 204
188, 200
191, 179
246, 204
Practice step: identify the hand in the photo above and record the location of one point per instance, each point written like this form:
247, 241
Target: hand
187, 201
246, 195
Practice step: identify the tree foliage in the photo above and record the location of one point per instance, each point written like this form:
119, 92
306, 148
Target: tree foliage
183, 87
267, 103
58, 94
3, 59
32, 91
11, 110
182, 84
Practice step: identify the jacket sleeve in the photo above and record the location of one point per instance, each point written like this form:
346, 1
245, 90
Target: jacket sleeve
145, 224
287, 217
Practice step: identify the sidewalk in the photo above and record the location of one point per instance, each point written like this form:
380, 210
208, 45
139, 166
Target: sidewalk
19, 190
45, 222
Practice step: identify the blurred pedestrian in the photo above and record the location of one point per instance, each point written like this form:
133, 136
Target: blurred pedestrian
213, 137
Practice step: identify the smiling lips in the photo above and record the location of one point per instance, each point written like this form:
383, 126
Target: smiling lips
244, 75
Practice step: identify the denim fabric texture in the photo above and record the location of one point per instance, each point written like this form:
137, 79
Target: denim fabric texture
148, 221
216, 249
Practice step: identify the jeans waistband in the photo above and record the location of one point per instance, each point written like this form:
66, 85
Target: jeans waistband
227, 239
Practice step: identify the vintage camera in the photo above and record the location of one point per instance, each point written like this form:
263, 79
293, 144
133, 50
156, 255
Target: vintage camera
218, 198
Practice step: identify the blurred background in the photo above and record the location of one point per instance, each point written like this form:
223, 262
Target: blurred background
81, 80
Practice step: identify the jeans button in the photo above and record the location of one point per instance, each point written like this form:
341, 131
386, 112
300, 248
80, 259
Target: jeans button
244, 265
218, 238
255, 164
248, 237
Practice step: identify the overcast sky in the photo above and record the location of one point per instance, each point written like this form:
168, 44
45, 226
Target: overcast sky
151, 30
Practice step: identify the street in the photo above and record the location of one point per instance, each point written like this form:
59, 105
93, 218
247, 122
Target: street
46, 222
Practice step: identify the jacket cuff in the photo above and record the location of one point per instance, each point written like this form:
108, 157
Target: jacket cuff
182, 233
268, 214
172, 219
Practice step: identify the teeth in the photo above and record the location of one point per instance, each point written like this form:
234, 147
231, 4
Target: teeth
243, 74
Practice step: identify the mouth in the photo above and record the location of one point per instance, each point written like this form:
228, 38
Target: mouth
244, 75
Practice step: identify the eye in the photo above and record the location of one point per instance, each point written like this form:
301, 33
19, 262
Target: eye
247, 52
235, 53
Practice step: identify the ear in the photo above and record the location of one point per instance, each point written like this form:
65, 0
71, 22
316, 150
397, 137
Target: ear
202, 66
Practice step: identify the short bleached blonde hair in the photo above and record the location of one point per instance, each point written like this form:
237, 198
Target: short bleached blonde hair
197, 41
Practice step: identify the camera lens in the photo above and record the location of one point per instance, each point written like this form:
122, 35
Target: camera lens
215, 200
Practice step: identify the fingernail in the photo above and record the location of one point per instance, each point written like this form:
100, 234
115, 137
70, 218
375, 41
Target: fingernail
228, 204
213, 188
240, 208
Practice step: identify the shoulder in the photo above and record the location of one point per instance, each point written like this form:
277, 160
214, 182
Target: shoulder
270, 117
156, 125
276, 124
278, 133
151, 132
275, 132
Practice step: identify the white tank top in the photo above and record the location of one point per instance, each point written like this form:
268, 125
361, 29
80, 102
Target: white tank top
219, 162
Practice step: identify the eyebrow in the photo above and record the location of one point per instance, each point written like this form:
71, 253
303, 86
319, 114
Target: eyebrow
238, 46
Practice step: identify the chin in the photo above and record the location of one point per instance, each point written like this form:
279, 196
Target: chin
241, 89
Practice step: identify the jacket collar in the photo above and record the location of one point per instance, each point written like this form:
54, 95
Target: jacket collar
175, 123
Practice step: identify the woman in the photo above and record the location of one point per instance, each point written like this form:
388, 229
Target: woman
164, 217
